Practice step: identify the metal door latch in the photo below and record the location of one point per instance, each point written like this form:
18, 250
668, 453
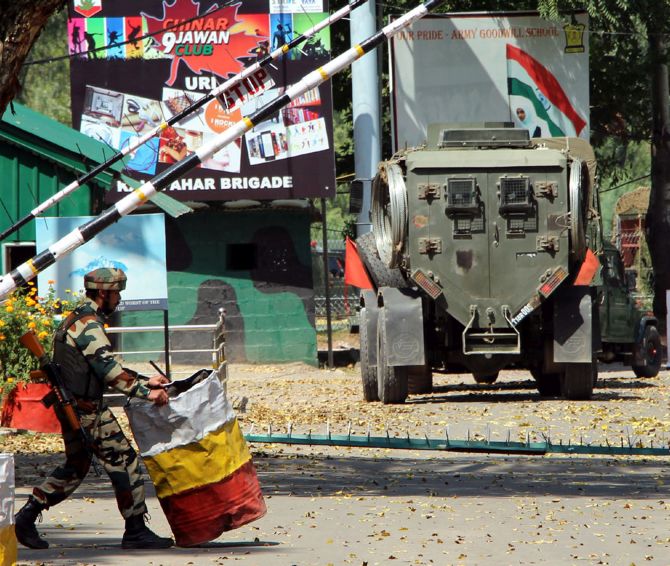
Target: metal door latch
546, 189
430, 245
428, 191
548, 243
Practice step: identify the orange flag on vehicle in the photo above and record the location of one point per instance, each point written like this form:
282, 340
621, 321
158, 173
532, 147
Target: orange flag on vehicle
354, 270
588, 269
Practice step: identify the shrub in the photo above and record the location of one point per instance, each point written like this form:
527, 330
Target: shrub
21, 312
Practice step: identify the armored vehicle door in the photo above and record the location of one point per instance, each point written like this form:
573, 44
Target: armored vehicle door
617, 310
506, 229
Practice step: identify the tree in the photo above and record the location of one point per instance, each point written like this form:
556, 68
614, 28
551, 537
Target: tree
20, 25
45, 86
645, 114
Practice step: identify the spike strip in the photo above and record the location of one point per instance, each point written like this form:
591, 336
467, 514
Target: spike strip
452, 445
140, 141
130, 202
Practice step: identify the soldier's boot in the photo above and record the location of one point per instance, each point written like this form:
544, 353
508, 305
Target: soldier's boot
26, 532
138, 535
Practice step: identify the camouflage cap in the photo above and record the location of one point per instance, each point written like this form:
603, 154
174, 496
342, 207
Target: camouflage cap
106, 278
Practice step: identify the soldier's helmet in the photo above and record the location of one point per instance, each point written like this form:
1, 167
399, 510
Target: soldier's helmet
106, 278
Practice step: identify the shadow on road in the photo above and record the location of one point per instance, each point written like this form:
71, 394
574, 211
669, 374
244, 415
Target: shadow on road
525, 390
449, 476
442, 475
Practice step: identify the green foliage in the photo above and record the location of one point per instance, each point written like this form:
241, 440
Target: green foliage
343, 140
338, 220
46, 86
22, 312
630, 164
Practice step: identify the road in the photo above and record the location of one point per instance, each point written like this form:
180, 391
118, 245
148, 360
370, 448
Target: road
370, 506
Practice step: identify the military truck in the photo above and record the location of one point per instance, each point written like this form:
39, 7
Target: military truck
487, 253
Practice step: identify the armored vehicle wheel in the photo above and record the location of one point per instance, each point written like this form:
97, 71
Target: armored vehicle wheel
391, 380
382, 276
651, 351
419, 379
368, 371
577, 382
486, 378
548, 384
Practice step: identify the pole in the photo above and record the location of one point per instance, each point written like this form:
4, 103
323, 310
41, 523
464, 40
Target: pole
326, 273
82, 234
166, 342
365, 108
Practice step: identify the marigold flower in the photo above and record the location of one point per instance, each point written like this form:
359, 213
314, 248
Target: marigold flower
51, 282
42, 335
9, 308
10, 379
2, 336
31, 325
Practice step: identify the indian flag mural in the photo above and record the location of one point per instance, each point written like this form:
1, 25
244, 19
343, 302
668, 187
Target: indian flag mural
537, 99
7, 534
198, 460
482, 67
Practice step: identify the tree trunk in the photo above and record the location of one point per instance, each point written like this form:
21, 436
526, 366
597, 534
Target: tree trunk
20, 25
658, 214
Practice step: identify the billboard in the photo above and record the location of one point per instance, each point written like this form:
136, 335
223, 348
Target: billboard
137, 63
135, 244
472, 68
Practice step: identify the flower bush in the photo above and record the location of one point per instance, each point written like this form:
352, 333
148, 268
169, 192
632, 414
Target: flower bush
25, 311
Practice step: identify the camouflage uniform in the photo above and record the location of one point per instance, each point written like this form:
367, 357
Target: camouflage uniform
82, 334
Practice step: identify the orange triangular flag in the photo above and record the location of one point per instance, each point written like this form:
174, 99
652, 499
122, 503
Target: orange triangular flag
354, 271
588, 269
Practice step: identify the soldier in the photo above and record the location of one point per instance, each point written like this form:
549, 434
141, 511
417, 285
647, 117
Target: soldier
83, 351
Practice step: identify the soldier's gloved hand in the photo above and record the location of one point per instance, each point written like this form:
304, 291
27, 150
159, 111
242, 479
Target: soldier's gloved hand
155, 381
158, 396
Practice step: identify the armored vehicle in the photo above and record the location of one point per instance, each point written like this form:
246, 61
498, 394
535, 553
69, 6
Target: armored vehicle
486, 252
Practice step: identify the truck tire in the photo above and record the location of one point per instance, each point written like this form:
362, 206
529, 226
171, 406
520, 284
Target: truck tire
391, 380
577, 382
382, 276
548, 384
651, 350
485, 378
368, 372
419, 379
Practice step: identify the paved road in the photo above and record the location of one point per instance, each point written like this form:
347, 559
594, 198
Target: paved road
357, 506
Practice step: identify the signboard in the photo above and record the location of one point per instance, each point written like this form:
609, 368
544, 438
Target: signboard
473, 68
137, 63
135, 244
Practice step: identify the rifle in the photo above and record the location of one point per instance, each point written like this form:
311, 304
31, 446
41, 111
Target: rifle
60, 394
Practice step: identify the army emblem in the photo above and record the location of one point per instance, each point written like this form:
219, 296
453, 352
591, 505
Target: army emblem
574, 36
87, 8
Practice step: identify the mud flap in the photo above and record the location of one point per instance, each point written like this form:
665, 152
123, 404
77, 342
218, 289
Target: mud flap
576, 331
404, 326
369, 302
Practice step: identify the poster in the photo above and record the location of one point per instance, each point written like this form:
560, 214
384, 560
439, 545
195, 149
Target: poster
138, 63
472, 68
135, 244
